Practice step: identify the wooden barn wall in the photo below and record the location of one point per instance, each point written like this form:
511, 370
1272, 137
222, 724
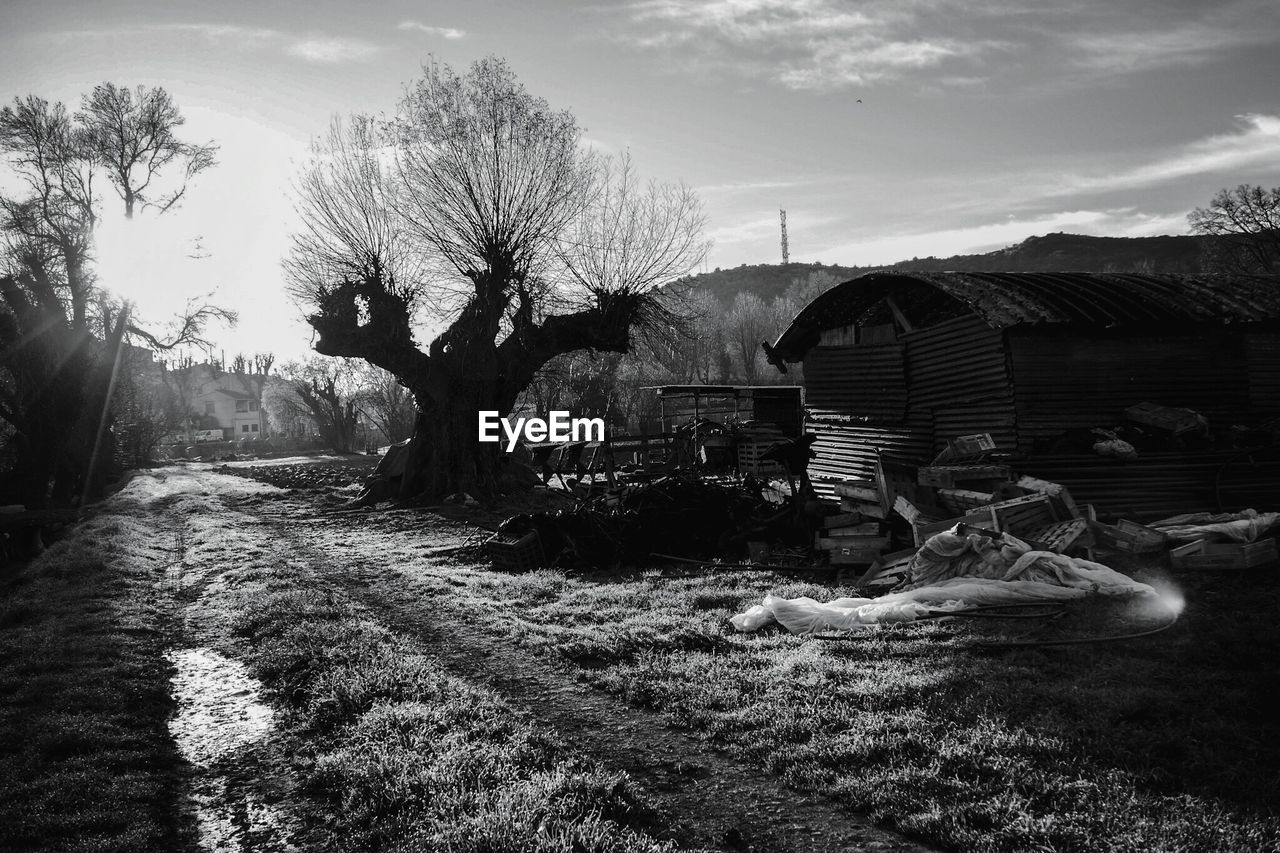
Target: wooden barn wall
1077, 379
905, 399
1264, 373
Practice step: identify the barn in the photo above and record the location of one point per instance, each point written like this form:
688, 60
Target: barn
897, 363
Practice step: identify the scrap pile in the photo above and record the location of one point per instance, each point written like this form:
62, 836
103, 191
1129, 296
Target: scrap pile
965, 486
679, 514
874, 533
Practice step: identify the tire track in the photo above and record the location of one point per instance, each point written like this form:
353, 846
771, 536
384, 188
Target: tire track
710, 800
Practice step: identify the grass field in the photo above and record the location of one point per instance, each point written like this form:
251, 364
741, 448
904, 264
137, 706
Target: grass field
1167, 743
86, 762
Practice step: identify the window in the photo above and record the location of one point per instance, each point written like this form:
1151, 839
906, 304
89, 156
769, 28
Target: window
244, 427
209, 408
253, 405
242, 405
253, 427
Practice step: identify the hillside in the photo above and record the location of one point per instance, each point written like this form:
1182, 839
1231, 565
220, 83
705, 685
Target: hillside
1051, 252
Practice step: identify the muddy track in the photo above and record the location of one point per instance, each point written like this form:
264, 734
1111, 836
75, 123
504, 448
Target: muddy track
707, 798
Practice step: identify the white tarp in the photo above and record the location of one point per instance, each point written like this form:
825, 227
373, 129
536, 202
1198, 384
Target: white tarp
1003, 571
1244, 526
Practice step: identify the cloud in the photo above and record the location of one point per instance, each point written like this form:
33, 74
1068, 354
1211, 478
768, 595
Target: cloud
988, 236
804, 44
312, 48
333, 49
1142, 45
834, 44
1255, 142
751, 186
766, 229
442, 32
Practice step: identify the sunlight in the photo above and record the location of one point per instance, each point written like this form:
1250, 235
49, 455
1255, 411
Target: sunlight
152, 261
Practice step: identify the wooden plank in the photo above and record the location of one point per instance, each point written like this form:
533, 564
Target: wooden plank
870, 528
1059, 536
835, 543
1206, 555
870, 510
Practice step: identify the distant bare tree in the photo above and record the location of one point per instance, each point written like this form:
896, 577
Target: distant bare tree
325, 388
132, 133
748, 323
385, 402
1245, 223
60, 348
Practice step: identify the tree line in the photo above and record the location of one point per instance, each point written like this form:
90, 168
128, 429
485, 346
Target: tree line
466, 253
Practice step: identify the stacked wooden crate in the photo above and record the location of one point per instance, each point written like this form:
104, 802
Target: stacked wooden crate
754, 438
856, 535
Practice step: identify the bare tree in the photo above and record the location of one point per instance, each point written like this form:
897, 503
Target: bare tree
386, 403
61, 350
132, 133
748, 323
1245, 223
325, 389
483, 217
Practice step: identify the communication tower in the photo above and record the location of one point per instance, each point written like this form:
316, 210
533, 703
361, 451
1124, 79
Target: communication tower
786, 255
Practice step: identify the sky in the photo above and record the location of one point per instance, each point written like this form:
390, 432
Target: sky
886, 129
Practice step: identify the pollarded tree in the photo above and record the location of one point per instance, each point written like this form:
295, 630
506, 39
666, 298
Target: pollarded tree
478, 207
1245, 223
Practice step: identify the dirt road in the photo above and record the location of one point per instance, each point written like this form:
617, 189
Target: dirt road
230, 529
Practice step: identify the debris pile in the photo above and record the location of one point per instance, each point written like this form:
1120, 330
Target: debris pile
682, 515
965, 487
870, 529
1151, 428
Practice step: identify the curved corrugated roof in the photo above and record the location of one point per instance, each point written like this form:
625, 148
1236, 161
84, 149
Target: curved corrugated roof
1011, 299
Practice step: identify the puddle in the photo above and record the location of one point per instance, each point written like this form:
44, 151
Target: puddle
220, 718
218, 707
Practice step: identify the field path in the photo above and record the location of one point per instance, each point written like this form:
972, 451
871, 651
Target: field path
708, 799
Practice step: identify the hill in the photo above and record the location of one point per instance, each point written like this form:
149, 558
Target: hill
1051, 252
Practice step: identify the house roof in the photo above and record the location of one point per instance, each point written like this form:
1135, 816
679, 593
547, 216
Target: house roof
1012, 299
235, 395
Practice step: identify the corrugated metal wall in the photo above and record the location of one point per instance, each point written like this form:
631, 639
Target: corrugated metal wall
1263, 350
959, 376
906, 399
856, 402
1158, 485
863, 380
1087, 380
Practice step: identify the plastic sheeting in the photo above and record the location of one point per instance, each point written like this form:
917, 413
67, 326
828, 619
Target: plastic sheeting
1245, 526
1000, 571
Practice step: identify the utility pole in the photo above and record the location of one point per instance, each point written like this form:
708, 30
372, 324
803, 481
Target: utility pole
786, 255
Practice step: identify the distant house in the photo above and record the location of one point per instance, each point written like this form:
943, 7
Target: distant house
230, 402
238, 413
897, 363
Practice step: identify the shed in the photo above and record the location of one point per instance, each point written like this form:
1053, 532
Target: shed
897, 363
774, 404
